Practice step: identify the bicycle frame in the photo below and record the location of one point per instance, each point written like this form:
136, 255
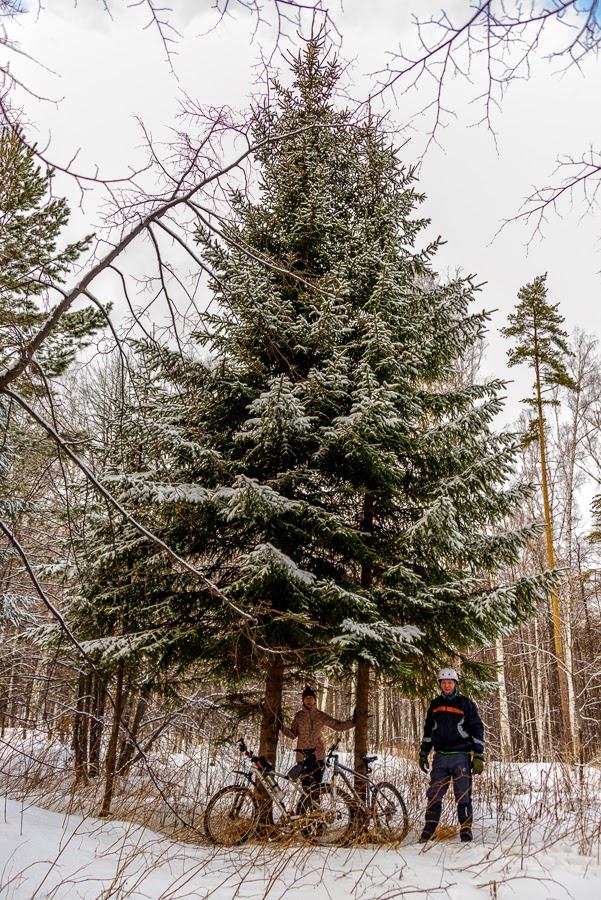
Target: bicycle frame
344, 771
259, 776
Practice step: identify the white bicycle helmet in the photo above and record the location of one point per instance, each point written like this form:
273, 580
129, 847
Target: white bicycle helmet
448, 673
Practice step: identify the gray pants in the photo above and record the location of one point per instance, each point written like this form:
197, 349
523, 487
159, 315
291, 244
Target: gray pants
455, 767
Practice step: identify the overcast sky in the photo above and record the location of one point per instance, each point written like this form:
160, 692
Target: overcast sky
104, 71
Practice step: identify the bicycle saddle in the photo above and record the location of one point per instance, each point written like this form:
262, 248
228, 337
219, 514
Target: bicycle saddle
369, 759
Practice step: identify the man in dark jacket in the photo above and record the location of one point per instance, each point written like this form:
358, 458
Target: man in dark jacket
455, 730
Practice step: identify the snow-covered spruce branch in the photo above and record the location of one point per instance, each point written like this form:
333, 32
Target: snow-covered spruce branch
211, 588
141, 754
250, 252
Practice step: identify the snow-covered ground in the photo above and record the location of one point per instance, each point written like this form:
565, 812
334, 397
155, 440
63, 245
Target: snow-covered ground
537, 836
48, 855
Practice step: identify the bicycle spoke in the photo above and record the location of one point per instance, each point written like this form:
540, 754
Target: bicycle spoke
330, 819
389, 813
231, 816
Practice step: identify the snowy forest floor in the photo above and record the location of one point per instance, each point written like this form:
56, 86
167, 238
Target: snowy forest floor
537, 837
48, 855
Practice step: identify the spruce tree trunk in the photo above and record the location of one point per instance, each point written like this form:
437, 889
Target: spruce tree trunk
271, 717
111, 753
271, 711
363, 669
377, 716
361, 726
80, 731
96, 728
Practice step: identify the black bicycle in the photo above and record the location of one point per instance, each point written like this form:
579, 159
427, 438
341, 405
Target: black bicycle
318, 812
379, 805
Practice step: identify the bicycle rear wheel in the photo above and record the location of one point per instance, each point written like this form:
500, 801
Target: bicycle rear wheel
330, 818
231, 816
389, 813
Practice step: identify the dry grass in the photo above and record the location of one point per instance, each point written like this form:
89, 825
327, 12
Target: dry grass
521, 811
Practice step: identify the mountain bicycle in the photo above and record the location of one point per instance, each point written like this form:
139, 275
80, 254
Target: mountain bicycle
318, 813
380, 804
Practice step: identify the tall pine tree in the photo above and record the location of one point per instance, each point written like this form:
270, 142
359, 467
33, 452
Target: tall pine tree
541, 344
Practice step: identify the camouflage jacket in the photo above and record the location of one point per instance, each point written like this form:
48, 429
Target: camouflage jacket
307, 726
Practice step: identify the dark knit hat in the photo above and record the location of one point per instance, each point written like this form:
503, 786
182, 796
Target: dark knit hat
309, 692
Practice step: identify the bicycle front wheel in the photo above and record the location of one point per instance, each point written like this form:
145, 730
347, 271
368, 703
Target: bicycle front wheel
331, 817
389, 813
231, 816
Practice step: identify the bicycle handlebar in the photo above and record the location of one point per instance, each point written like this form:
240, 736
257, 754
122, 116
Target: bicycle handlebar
261, 762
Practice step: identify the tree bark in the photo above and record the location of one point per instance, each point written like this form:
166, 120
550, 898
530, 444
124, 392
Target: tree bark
80, 730
504, 720
361, 726
271, 711
111, 753
363, 669
271, 717
96, 728
569, 749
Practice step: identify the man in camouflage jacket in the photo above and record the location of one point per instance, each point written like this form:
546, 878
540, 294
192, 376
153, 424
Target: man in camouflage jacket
307, 726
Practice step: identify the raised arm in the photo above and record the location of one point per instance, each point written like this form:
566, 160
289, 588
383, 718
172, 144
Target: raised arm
336, 724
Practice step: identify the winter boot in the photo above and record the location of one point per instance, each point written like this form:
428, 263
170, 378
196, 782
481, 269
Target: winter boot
464, 814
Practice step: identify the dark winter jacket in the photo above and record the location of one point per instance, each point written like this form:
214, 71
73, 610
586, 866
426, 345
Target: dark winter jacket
307, 726
453, 726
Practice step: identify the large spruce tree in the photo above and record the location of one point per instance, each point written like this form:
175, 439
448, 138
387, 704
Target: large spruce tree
346, 497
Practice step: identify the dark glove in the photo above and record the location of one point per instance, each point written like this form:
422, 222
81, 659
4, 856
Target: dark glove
423, 761
478, 763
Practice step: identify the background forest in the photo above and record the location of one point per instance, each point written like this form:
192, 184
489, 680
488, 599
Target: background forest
248, 443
